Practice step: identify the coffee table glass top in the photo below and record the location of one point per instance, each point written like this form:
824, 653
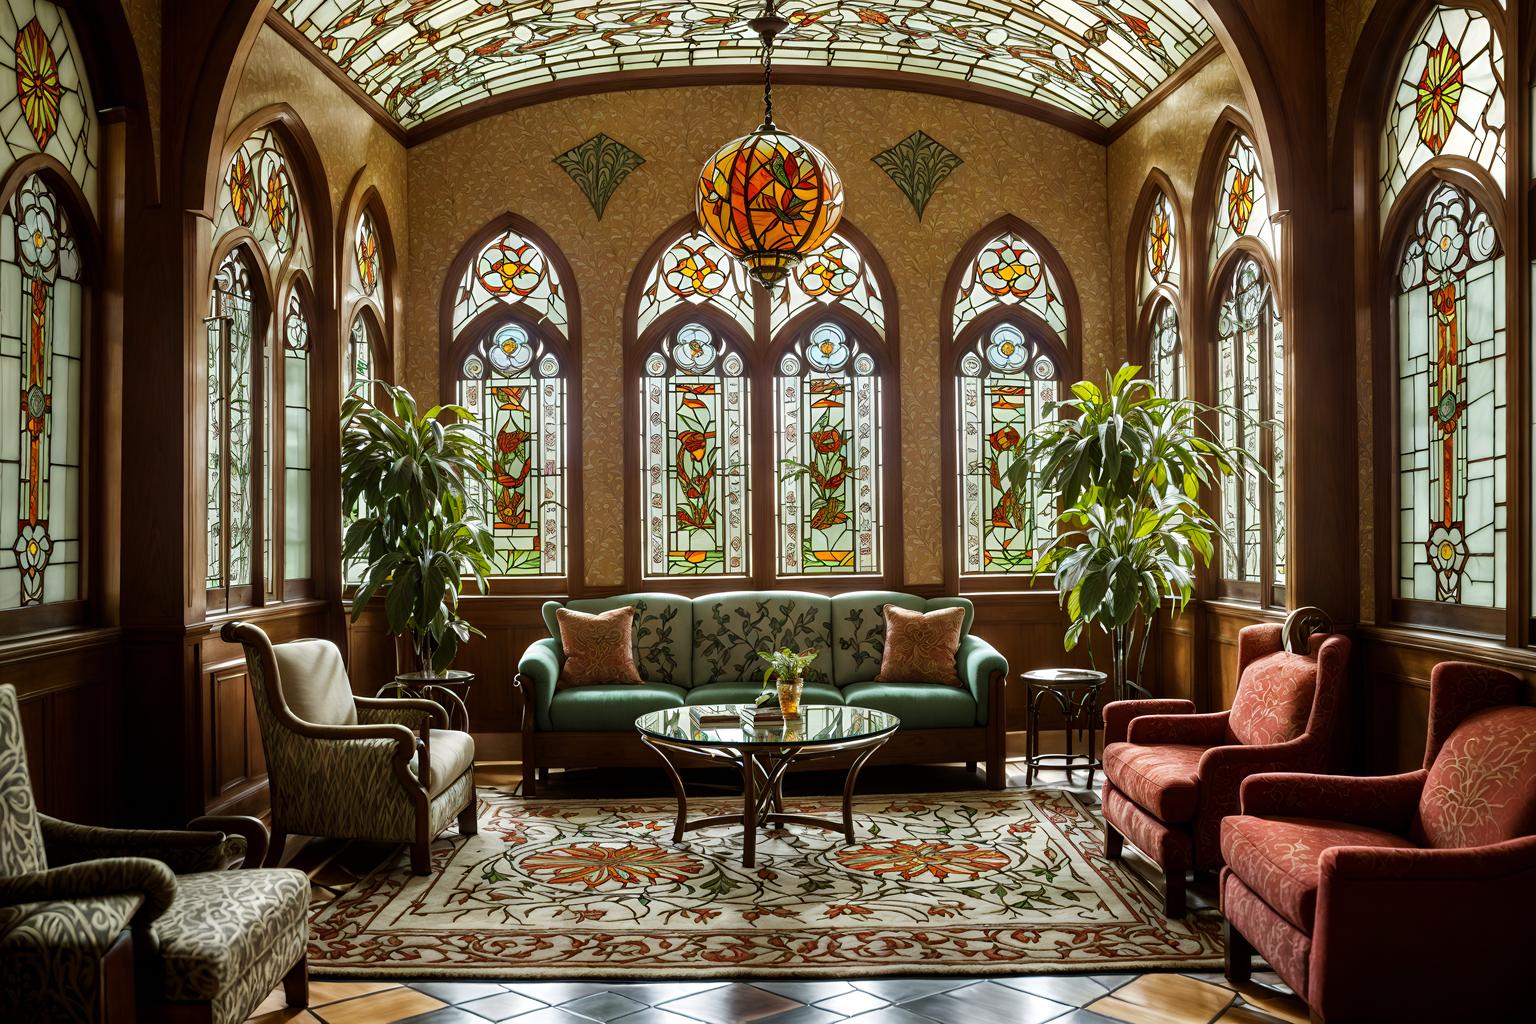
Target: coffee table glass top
819, 724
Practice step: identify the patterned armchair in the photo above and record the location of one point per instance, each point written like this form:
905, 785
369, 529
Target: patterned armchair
1431, 874
1170, 775
352, 767
79, 907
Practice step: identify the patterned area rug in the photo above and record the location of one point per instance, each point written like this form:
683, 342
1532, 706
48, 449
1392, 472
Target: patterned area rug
975, 883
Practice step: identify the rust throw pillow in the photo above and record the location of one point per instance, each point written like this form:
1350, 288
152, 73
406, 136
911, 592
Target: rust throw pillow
920, 647
598, 648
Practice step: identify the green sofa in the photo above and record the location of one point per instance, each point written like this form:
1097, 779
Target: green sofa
703, 650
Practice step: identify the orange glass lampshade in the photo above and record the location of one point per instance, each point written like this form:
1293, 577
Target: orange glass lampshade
769, 199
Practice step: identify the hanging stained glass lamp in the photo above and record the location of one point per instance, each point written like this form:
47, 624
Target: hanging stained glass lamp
769, 198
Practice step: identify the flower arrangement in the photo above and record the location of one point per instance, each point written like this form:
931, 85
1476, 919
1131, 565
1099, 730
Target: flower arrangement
788, 667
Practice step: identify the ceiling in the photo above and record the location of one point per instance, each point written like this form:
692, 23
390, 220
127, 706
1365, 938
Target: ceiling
421, 59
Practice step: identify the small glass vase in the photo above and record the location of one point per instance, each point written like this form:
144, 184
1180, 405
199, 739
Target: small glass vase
789, 695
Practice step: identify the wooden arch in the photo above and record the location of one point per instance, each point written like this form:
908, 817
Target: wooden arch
382, 307
1138, 310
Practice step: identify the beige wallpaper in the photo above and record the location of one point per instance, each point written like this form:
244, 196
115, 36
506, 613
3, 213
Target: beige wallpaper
1048, 177
1171, 137
1343, 21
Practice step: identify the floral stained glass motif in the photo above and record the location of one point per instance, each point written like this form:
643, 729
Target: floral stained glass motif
359, 365
231, 445
1449, 101
1005, 382
257, 194
832, 273
694, 399
512, 380
429, 57
40, 400
695, 271
1242, 202
1160, 247
365, 255
511, 269
1250, 360
1010, 271
828, 447
296, 434
48, 106
1452, 402
1165, 352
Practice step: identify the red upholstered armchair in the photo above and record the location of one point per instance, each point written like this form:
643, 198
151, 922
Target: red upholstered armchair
1408, 897
1170, 775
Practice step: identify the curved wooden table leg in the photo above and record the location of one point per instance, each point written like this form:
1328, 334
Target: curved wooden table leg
853, 777
677, 787
749, 772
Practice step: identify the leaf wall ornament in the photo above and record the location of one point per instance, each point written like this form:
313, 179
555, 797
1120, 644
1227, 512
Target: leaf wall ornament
917, 164
598, 166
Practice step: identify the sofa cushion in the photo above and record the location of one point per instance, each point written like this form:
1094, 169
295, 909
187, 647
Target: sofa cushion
729, 629
1163, 779
746, 693
921, 647
1481, 788
230, 936
1279, 858
1274, 699
598, 648
662, 633
314, 682
611, 708
450, 753
858, 629
918, 705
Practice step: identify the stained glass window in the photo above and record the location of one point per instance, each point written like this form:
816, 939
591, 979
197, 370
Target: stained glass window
231, 447
1160, 248
512, 379
1449, 100
367, 265
359, 353
1010, 271
1165, 352
511, 269
50, 110
833, 273
828, 455
694, 398
1242, 201
296, 459
1005, 381
1250, 359
257, 194
42, 304
695, 271
1452, 399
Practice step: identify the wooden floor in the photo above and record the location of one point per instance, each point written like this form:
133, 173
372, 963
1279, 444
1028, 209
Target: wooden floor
1146, 998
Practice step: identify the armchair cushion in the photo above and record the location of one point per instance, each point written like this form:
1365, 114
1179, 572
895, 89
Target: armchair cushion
450, 753
314, 682
918, 705
1164, 780
1280, 859
611, 708
1274, 699
230, 936
1481, 787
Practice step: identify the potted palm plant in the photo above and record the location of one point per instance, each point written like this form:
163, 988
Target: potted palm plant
1128, 467
404, 474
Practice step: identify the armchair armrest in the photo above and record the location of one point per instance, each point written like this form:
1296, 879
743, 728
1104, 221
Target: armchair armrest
979, 663
413, 713
537, 672
1118, 714
1385, 802
114, 876
1194, 730
1457, 864
208, 844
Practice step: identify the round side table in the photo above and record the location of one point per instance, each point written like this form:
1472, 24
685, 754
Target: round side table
449, 691
1076, 692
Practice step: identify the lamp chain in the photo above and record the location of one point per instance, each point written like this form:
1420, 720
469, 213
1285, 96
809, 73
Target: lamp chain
767, 27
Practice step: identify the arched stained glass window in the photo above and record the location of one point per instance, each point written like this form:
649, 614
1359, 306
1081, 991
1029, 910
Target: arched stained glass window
511, 269
1009, 271
827, 419
51, 109
231, 449
367, 263
695, 271
1451, 397
1448, 101
1160, 248
512, 379
296, 435
695, 462
41, 353
1162, 339
1250, 388
257, 195
1006, 377
1165, 352
359, 366
1242, 201
833, 273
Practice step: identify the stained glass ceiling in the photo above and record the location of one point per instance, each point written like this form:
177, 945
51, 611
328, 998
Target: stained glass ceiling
424, 58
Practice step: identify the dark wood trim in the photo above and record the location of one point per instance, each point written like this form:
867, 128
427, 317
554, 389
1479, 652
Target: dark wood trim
1174, 82
370, 106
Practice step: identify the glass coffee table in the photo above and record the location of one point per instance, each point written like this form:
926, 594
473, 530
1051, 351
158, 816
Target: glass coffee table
762, 754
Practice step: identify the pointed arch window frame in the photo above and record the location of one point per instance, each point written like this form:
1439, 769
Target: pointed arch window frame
1143, 303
